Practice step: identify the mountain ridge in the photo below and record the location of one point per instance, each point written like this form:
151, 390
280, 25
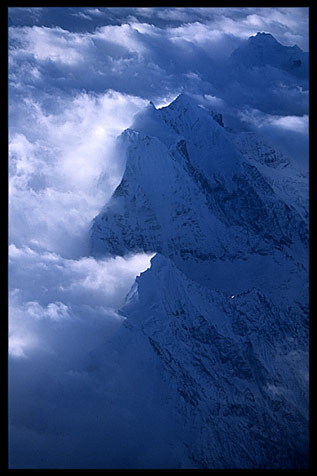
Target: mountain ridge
196, 196
263, 49
220, 319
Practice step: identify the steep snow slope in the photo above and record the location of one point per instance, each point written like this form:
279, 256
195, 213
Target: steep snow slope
289, 183
237, 384
216, 332
201, 196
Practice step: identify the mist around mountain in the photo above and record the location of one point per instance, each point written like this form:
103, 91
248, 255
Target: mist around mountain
159, 239
224, 305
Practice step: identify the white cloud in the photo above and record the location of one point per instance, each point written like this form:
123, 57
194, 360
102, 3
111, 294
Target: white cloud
146, 28
124, 35
46, 288
63, 168
197, 33
258, 119
63, 165
255, 20
62, 129
146, 11
290, 134
179, 14
95, 12
292, 123
82, 15
212, 23
71, 93
54, 310
54, 44
87, 280
285, 24
55, 167
210, 101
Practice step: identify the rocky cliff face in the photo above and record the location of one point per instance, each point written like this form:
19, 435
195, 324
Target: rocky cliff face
223, 310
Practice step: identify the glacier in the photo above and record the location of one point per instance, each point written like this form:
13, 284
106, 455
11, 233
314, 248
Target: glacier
213, 352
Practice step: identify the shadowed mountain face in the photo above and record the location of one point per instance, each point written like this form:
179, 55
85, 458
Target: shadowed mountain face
220, 205
158, 292
221, 317
263, 49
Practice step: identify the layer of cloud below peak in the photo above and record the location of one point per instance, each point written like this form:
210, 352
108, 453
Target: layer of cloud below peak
77, 77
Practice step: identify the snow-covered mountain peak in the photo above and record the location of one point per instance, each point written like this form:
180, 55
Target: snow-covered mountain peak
264, 50
201, 130
186, 108
183, 102
217, 204
267, 40
169, 122
220, 319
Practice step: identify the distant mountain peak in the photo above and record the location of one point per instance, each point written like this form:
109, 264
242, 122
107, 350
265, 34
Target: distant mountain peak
263, 50
267, 39
263, 38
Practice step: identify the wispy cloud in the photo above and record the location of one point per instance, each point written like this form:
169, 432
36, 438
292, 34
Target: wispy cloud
259, 119
46, 286
292, 123
75, 84
56, 166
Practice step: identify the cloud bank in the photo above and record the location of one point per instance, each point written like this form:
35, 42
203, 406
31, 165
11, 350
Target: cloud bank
156, 53
56, 165
48, 290
77, 77
288, 25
